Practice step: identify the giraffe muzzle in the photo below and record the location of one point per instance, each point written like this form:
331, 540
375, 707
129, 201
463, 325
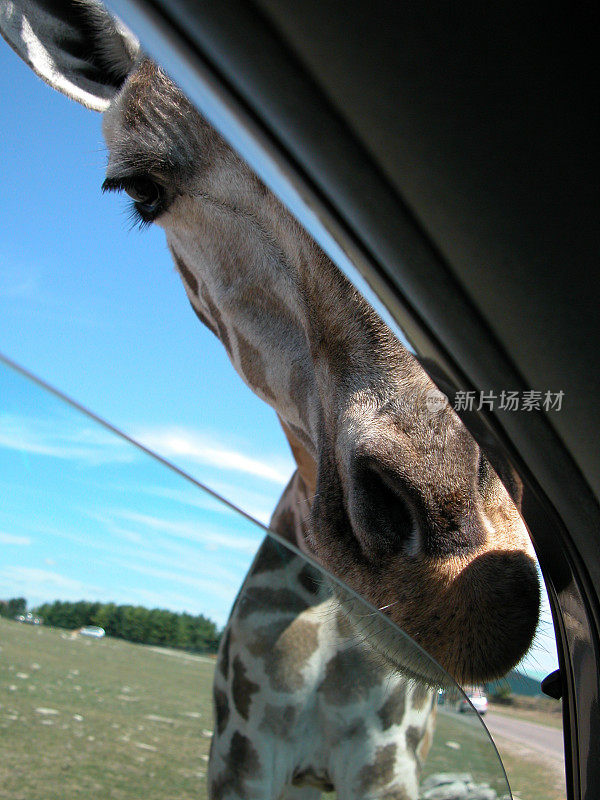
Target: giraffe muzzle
462, 585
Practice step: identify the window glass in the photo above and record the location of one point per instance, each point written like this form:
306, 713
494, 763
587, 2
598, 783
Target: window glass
102, 695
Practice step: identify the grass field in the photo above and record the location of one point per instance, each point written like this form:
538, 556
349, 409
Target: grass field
108, 719
460, 747
532, 779
100, 718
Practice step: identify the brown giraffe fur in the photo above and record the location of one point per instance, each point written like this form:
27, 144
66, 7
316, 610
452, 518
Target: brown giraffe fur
400, 502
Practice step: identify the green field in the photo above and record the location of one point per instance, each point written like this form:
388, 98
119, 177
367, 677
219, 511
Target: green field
108, 719
460, 747
100, 718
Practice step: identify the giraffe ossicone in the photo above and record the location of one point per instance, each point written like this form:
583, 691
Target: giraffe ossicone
398, 500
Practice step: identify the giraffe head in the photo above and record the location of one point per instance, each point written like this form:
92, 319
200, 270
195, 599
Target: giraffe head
405, 506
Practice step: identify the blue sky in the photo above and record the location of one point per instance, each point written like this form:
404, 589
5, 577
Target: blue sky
85, 514
98, 311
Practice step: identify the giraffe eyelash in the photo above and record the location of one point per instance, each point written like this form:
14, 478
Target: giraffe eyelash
136, 220
149, 198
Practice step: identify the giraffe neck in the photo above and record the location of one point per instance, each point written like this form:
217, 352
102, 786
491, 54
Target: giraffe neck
296, 688
305, 462
298, 498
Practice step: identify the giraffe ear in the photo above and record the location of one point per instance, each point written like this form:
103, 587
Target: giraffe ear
74, 45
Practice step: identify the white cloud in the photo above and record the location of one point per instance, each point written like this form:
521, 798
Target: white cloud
190, 446
209, 535
76, 438
9, 538
221, 583
71, 439
29, 574
257, 505
41, 585
155, 543
130, 536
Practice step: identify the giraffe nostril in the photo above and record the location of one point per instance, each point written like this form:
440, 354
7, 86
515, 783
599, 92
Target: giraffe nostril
380, 513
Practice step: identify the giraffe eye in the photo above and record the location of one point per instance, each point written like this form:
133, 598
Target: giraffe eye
147, 195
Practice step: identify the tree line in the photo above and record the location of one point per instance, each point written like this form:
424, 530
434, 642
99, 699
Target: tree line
13, 607
155, 626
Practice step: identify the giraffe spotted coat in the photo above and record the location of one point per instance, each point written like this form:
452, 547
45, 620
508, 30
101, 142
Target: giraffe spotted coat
302, 705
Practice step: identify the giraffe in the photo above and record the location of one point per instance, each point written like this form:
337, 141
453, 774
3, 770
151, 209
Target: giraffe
397, 500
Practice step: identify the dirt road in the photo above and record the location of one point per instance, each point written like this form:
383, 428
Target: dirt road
540, 738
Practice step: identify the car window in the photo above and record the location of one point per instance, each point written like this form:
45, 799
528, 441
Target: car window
124, 342
114, 698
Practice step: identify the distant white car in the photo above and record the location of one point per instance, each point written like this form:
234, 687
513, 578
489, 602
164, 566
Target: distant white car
94, 631
479, 702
